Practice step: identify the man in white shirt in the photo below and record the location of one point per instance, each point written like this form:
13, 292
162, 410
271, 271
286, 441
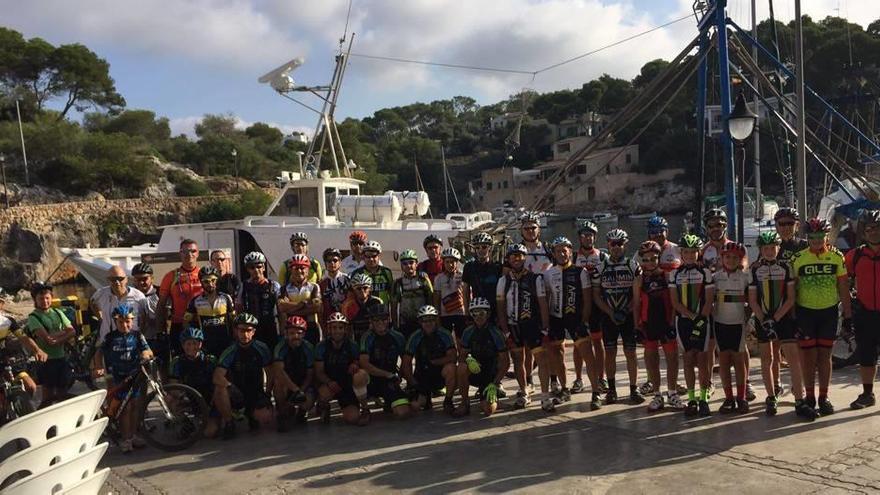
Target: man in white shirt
118, 292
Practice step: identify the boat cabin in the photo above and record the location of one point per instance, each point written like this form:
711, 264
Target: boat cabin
313, 197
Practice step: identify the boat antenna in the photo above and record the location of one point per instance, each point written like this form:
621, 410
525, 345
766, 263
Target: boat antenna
345, 31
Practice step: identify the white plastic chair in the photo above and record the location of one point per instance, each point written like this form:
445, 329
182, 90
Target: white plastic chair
89, 486
58, 420
59, 476
35, 460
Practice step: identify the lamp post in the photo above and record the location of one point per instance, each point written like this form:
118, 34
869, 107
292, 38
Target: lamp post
741, 125
235, 166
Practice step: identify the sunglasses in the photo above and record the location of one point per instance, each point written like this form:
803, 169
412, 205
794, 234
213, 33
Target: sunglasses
535, 227
719, 225
145, 278
616, 243
789, 223
356, 243
298, 243
650, 259
116, 279
363, 288
656, 232
219, 260
258, 265
479, 312
332, 260
189, 251
371, 256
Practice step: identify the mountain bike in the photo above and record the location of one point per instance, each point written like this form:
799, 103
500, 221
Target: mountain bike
15, 400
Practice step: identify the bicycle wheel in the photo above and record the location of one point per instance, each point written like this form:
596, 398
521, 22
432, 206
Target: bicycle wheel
185, 424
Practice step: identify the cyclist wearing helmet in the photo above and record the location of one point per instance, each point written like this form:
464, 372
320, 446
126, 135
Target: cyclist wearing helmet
523, 317
653, 316
50, 330
355, 260
301, 297
409, 293
480, 275
771, 298
658, 231
382, 276
334, 285
259, 297
729, 318
195, 368
336, 360
693, 294
715, 221
863, 263
612, 293
299, 244
449, 293
293, 366
142, 273
568, 293
212, 311
380, 350
589, 257
787, 226
822, 283
120, 355
433, 265
428, 362
357, 307
108, 297
177, 289
239, 379
485, 360
537, 253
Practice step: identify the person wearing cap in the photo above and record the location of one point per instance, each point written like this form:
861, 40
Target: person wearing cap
228, 281
356, 308
301, 297
195, 368
409, 293
212, 311
428, 362
142, 273
299, 244
293, 366
50, 330
588, 257
110, 296
485, 363
355, 259
538, 256
177, 289
381, 348
382, 276
449, 293
334, 285
433, 264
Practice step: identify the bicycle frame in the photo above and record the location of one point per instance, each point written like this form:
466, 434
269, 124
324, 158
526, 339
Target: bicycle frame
140, 379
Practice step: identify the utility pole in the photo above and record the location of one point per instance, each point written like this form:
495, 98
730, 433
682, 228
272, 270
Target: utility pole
756, 136
445, 183
801, 184
27, 177
5, 189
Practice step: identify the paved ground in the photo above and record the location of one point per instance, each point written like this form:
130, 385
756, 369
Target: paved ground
620, 448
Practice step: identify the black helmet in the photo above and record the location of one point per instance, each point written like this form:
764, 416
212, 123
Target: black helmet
142, 269
870, 217
332, 252
713, 213
786, 212
431, 239
39, 287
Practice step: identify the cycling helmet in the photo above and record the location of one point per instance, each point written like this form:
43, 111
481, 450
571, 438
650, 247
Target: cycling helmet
296, 321
517, 248
480, 303
253, 258
690, 241
481, 238
649, 247
451, 252
373, 246
588, 227
714, 213
617, 235
246, 319
192, 333
786, 212
378, 311
337, 317
39, 287
207, 272
657, 224
357, 235
361, 280
300, 260
123, 310
329, 252
141, 269
734, 247
427, 311
408, 254
769, 238
529, 218
816, 225
560, 241
870, 216
431, 239
299, 236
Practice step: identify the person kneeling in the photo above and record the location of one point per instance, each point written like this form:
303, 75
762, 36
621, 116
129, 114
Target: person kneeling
294, 371
429, 362
338, 373
486, 360
195, 368
381, 347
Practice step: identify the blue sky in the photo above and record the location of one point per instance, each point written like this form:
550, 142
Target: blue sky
183, 59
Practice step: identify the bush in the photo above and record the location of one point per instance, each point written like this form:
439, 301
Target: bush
253, 202
185, 185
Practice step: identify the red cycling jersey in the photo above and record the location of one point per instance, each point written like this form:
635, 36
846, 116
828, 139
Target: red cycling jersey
864, 264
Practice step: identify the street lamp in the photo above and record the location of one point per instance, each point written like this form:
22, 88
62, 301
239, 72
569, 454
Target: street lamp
235, 166
741, 125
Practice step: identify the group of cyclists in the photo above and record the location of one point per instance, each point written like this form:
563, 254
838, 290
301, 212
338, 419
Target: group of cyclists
348, 331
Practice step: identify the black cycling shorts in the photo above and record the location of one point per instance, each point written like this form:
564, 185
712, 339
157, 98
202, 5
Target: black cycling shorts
429, 379
684, 328
867, 328
388, 390
249, 398
54, 373
611, 332
817, 327
786, 331
455, 324
730, 337
528, 336
482, 379
658, 331
346, 396
560, 329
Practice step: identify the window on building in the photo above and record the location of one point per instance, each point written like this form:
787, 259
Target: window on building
591, 193
563, 147
504, 184
488, 186
582, 169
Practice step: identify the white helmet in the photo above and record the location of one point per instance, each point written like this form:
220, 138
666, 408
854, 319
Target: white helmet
253, 258
361, 280
617, 235
337, 317
427, 311
451, 252
480, 303
373, 246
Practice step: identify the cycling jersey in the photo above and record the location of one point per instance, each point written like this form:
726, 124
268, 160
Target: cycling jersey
337, 359
484, 344
791, 247
382, 280
334, 290
261, 300
482, 279
771, 280
180, 286
54, 322
198, 372
712, 255
315, 272
150, 327
451, 293
246, 364
424, 347
590, 259
430, 267
297, 360
383, 350
730, 296
863, 263
349, 264
358, 314
690, 283
229, 284
670, 257
565, 287
655, 304
122, 353
308, 291
615, 282
537, 258
817, 276
213, 316
521, 294
410, 294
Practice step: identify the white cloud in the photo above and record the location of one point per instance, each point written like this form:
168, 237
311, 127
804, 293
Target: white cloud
187, 126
